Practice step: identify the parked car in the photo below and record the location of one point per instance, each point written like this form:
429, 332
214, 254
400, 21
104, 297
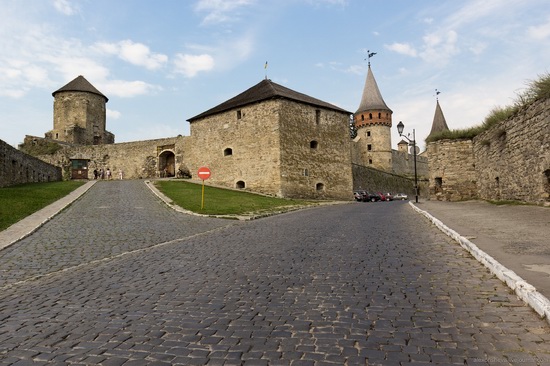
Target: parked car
389, 197
401, 196
361, 196
382, 196
373, 197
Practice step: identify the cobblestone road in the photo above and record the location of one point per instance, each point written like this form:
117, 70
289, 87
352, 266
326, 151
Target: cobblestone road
358, 284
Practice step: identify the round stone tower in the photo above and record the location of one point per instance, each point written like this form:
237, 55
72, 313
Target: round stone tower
373, 121
79, 114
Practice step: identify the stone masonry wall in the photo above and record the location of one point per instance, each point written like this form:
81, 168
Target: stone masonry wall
80, 118
136, 160
373, 180
372, 147
17, 167
315, 152
452, 169
403, 164
513, 157
241, 147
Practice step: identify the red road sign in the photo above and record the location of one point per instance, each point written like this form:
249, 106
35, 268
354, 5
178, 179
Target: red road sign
204, 173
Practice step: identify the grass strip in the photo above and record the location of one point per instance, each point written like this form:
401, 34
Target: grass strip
20, 201
219, 201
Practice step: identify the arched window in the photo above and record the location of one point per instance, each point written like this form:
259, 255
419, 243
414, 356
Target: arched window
320, 186
313, 144
379, 115
362, 117
240, 184
370, 115
228, 152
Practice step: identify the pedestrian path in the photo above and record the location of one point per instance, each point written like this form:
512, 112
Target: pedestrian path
513, 241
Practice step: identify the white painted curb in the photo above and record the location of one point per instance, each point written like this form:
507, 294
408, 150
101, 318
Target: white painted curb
523, 290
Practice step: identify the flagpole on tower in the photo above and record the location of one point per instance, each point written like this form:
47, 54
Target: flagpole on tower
369, 55
265, 68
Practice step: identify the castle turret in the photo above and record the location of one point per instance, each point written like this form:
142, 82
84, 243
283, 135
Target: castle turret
373, 121
79, 114
439, 124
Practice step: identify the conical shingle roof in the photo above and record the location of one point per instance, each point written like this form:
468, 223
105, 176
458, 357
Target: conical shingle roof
439, 124
372, 98
82, 85
266, 89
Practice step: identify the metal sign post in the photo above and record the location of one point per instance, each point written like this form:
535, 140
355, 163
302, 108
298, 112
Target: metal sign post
204, 174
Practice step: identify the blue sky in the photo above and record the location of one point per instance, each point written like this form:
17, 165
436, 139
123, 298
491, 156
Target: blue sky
164, 61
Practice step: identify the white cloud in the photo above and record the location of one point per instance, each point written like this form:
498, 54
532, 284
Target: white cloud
191, 65
127, 89
539, 32
111, 114
402, 48
221, 11
65, 7
439, 47
134, 53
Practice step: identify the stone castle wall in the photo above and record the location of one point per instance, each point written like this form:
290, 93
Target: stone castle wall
136, 160
316, 159
372, 147
374, 180
80, 118
17, 167
510, 161
513, 157
452, 168
403, 164
238, 152
296, 152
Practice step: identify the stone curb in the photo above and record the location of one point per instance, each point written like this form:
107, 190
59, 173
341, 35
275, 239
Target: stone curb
523, 290
31, 223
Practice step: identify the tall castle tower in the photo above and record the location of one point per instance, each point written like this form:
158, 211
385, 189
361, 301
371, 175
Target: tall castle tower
373, 121
439, 123
79, 114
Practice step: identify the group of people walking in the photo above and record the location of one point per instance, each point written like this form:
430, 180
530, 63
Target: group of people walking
105, 174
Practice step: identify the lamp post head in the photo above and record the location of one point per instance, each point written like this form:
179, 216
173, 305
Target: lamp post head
400, 127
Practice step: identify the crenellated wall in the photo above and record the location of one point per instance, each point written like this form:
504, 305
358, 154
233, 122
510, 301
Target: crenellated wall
17, 167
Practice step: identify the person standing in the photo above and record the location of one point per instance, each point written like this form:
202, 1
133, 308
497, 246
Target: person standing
108, 174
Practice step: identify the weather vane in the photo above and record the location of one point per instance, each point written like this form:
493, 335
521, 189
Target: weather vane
437, 92
369, 55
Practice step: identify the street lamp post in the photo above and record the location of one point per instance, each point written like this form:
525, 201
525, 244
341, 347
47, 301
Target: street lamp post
400, 127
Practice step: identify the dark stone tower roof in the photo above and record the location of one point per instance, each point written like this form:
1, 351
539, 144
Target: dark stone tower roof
439, 124
82, 85
265, 89
372, 98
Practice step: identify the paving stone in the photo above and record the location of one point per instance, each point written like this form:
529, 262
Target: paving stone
312, 287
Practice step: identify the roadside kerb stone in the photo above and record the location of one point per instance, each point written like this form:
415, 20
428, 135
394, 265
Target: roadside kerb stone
523, 290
